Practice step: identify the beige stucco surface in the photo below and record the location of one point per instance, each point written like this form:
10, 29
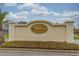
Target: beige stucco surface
55, 32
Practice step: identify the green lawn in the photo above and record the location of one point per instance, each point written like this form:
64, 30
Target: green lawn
3, 38
6, 36
76, 37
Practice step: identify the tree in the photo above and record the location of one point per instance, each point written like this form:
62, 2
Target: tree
22, 22
2, 16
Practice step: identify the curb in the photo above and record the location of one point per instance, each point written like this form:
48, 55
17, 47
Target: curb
40, 50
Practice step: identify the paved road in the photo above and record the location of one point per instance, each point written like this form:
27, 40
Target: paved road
37, 52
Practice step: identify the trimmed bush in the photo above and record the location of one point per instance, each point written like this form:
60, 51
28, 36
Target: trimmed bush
41, 45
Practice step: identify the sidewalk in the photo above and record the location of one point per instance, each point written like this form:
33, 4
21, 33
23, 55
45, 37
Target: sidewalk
40, 50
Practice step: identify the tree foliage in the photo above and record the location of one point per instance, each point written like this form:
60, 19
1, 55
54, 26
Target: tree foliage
2, 16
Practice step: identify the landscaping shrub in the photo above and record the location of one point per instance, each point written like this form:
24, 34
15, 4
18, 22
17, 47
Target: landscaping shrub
41, 45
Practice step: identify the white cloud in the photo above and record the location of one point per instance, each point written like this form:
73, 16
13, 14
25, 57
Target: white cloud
11, 16
66, 13
27, 5
63, 19
40, 11
55, 13
23, 13
35, 9
17, 16
10, 4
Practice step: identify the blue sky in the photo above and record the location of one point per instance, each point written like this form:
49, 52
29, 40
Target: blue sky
54, 12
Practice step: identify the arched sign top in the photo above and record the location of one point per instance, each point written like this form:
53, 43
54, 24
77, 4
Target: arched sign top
41, 21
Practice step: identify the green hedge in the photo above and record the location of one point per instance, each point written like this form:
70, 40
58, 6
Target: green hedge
41, 45
76, 37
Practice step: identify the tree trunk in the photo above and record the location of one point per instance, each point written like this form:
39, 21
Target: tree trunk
1, 35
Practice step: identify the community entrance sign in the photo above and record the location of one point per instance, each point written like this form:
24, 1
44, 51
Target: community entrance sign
41, 30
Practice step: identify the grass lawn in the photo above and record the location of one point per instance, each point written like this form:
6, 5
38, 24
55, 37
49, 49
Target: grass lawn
6, 36
76, 37
41, 45
3, 38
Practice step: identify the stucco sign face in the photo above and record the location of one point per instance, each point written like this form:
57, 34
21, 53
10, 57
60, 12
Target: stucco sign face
39, 28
